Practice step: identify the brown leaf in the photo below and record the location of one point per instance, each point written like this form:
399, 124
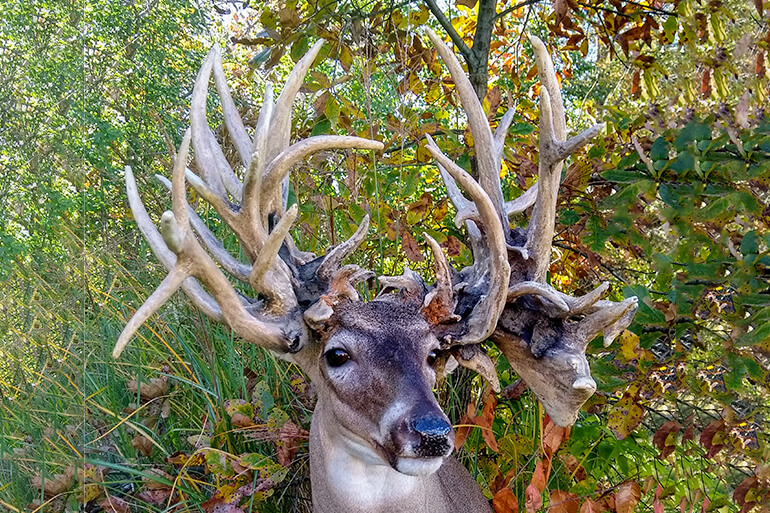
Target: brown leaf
165, 409
705, 83
627, 497
142, 444
665, 438
657, 504
759, 69
494, 98
575, 468
114, 505
505, 501
55, 484
151, 483
590, 506
742, 490
154, 496
155, 387
319, 104
470, 4
419, 208
287, 444
240, 420
560, 9
462, 432
712, 436
636, 90
409, 245
759, 5
452, 245
534, 499
563, 502
288, 17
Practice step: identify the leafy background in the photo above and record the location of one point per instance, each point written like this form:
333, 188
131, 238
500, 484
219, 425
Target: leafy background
669, 204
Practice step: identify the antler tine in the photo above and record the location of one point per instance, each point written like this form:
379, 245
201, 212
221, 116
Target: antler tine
334, 257
486, 154
252, 182
553, 150
214, 166
233, 120
523, 202
269, 275
280, 166
483, 319
280, 125
439, 304
500, 133
213, 245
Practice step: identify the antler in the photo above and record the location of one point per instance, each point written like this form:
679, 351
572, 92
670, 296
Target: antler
258, 217
542, 332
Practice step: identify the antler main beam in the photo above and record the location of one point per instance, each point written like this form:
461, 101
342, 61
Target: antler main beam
543, 332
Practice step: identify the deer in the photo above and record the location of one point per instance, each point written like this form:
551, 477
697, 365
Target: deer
379, 440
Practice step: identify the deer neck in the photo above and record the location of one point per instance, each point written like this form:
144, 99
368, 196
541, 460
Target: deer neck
348, 476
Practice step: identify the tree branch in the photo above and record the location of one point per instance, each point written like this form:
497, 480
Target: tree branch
509, 10
447, 26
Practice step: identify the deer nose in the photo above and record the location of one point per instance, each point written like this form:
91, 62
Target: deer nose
434, 433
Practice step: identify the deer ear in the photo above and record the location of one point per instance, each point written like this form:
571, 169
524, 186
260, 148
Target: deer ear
318, 316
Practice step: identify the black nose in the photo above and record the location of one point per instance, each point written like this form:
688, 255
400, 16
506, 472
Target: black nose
434, 436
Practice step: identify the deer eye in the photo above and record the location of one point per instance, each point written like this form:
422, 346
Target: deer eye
432, 357
336, 357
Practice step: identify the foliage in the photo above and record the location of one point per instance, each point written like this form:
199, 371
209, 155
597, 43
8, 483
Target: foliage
669, 205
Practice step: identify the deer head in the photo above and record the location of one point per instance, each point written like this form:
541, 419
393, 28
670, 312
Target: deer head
375, 363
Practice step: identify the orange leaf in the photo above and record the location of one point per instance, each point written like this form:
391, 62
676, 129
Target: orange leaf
563, 502
505, 501
553, 436
590, 506
627, 497
705, 85
538, 477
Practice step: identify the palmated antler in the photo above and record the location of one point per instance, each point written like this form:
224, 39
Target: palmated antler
542, 332
287, 283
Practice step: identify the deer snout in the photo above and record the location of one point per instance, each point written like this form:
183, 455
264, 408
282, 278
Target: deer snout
434, 433
427, 436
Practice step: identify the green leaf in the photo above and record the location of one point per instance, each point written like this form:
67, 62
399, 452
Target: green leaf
659, 150
750, 243
569, 217
621, 176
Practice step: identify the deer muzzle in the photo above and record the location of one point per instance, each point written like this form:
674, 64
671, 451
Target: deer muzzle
422, 443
